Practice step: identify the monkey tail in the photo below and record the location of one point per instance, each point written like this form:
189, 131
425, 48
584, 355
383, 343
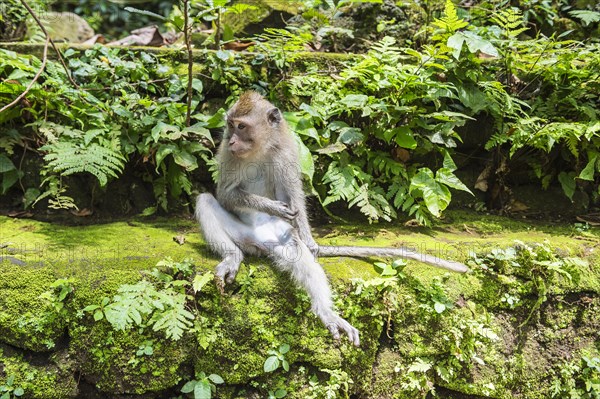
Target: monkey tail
402, 252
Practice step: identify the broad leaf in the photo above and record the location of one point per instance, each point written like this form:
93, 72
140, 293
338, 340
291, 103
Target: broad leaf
271, 364
567, 181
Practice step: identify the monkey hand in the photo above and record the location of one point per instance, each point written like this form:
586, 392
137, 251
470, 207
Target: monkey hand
283, 210
337, 325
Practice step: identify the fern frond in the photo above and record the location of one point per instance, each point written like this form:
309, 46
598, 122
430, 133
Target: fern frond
342, 183
66, 158
510, 20
450, 22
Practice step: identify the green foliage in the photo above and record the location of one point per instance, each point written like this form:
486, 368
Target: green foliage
203, 387
397, 108
541, 268
337, 386
9, 390
145, 305
122, 112
81, 152
276, 359
578, 379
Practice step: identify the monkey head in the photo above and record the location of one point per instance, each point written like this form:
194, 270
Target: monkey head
253, 124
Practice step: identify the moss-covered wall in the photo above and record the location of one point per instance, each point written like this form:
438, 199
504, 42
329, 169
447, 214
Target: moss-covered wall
480, 345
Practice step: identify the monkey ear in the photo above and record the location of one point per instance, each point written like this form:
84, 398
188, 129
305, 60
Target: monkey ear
274, 116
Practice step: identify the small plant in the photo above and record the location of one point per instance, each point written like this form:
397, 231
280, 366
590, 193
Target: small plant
578, 379
203, 387
390, 270
433, 298
276, 359
337, 386
9, 390
277, 394
144, 304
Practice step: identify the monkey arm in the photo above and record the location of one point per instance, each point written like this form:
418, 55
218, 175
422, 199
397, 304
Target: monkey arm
237, 199
293, 194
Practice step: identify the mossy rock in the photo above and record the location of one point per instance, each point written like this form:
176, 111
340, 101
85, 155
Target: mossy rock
40, 377
520, 349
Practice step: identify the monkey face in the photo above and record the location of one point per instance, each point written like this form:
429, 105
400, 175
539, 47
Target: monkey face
241, 138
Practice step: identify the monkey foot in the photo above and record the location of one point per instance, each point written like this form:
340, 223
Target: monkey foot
227, 270
340, 325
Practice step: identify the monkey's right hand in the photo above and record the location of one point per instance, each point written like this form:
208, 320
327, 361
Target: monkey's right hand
283, 210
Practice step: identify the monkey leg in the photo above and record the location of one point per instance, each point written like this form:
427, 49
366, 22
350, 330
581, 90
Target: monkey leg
294, 257
221, 231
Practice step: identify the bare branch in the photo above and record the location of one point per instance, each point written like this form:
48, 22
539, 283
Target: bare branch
39, 23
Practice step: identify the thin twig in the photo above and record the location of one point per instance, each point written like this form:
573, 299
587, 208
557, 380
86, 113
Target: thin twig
35, 78
62, 61
188, 43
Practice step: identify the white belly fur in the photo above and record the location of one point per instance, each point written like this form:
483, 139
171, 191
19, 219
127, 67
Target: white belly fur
267, 228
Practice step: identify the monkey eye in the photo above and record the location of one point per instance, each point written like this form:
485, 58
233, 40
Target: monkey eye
241, 126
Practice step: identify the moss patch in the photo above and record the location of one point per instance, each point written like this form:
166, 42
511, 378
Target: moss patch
493, 333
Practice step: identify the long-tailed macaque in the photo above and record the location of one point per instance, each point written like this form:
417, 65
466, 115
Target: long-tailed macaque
259, 209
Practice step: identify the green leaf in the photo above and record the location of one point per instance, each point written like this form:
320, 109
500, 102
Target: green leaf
436, 196
186, 160
419, 366
307, 164
6, 164
202, 390
355, 100
161, 129
189, 386
144, 12
200, 280
200, 130
197, 85
9, 179
98, 315
215, 378
439, 307
17, 74
403, 136
567, 181
151, 210
351, 136
445, 176
449, 162
586, 16
284, 348
455, 42
301, 125
271, 364
280, 393
225, 55
162, 152
19, 391
588, 172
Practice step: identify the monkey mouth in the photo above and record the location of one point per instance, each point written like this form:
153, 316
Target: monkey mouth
240, 153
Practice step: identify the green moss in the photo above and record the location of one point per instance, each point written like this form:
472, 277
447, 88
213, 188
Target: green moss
48, 378
263, 309
112, 362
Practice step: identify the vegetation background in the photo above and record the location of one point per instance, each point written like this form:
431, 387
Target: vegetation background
401, 109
